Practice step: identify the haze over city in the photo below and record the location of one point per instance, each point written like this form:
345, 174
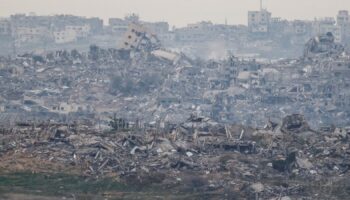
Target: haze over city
174, 99
179, 12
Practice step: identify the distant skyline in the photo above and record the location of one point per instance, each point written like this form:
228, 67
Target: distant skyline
177, 12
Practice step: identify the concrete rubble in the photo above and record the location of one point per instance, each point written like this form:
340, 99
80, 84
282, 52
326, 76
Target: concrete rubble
148, 85
197, 154
146, 115
322, 45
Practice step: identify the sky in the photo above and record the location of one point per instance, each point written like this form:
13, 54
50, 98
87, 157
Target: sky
177, 12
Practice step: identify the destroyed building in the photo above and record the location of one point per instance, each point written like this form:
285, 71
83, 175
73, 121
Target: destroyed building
144, 77
146, 114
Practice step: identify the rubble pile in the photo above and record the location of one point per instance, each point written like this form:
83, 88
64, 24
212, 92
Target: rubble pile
147, 85
198, 155
294, 123
323, 45
123, 114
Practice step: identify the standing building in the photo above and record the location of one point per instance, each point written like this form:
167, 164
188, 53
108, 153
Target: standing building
343, 21
118, 26
65, 36
326, 25
343, 17
5, 27
259, 21
301, 27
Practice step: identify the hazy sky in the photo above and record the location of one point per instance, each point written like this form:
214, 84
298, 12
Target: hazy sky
177, 12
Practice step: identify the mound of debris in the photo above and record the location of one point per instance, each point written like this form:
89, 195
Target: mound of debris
323, 46
198, 155
294, 124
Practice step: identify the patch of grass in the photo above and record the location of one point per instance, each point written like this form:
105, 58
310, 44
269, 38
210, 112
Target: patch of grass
57, 184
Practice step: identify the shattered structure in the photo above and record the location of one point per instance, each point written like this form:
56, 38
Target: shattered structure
199, 154
154, 86
143, 114
322, 45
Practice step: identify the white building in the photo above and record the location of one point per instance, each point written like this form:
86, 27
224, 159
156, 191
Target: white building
71, 33
118, 26
343, 17
203, 31
301, 27
343, 21
5, 27
325, 25
31, 34
82, 31
259, 21
158, 27
66, 108
167, 37
65, 36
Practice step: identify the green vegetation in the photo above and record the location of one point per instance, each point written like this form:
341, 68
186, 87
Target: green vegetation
56, 184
